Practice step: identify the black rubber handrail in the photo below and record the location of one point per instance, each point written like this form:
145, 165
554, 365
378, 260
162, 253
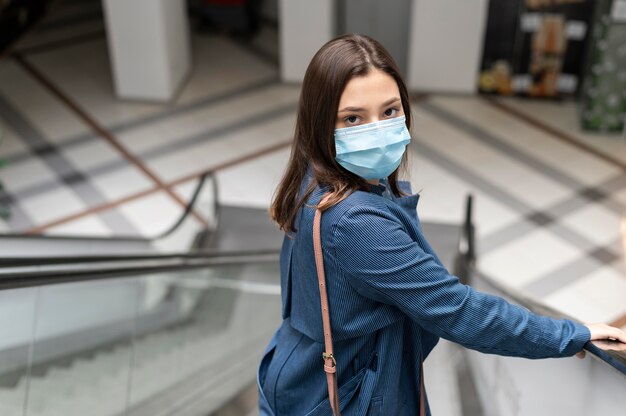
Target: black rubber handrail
469, 230
12, 262
181, 219
190, 205
466, 251
13, 280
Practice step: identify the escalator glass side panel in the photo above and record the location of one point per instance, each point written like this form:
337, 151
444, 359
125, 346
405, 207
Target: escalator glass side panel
17, 319
82, 348
175, 342
227, 315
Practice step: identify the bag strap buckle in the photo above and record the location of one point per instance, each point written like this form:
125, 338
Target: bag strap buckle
327, 356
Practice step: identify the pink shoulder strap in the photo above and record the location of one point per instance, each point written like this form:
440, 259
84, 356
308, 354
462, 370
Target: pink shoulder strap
330, 365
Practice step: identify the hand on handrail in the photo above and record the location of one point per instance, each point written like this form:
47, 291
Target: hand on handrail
603, 332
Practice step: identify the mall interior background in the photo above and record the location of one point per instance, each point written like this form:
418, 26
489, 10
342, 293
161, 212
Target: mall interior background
521, 104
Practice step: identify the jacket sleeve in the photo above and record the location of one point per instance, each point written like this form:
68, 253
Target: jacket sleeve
382, 262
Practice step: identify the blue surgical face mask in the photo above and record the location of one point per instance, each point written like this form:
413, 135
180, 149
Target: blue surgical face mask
373, 150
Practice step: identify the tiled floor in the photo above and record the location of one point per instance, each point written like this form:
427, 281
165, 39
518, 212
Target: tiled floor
550, 212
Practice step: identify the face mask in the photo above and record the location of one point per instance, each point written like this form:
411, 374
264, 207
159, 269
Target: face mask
373, 150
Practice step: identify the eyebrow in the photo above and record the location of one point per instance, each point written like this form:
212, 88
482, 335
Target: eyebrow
357, 109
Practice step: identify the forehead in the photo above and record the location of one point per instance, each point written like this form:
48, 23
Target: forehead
371, 89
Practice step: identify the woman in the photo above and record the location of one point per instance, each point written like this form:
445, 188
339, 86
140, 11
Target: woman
390, 298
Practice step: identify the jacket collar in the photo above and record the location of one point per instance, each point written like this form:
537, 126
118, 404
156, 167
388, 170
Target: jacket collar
409, 201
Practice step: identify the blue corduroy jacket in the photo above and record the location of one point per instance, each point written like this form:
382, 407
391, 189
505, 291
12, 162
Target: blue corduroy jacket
390, 299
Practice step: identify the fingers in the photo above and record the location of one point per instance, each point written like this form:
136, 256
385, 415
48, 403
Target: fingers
606, 337
602, 332
614, 333
619, 334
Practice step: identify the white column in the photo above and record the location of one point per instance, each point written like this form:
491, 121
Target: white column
149, 47
305, 25
446, 44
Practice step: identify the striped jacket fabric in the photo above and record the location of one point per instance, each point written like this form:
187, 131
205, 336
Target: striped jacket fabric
390, 300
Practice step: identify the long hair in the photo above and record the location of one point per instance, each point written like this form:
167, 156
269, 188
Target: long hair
329, 71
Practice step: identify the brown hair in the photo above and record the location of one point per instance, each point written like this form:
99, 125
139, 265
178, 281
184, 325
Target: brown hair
329, 71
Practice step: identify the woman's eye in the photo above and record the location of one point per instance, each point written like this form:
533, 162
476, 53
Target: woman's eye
391, 112
351, 119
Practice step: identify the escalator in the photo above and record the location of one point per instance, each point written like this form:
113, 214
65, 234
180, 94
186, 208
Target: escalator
144, 332
152, 333
112, 326
503, 386
179, 336
568, 386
